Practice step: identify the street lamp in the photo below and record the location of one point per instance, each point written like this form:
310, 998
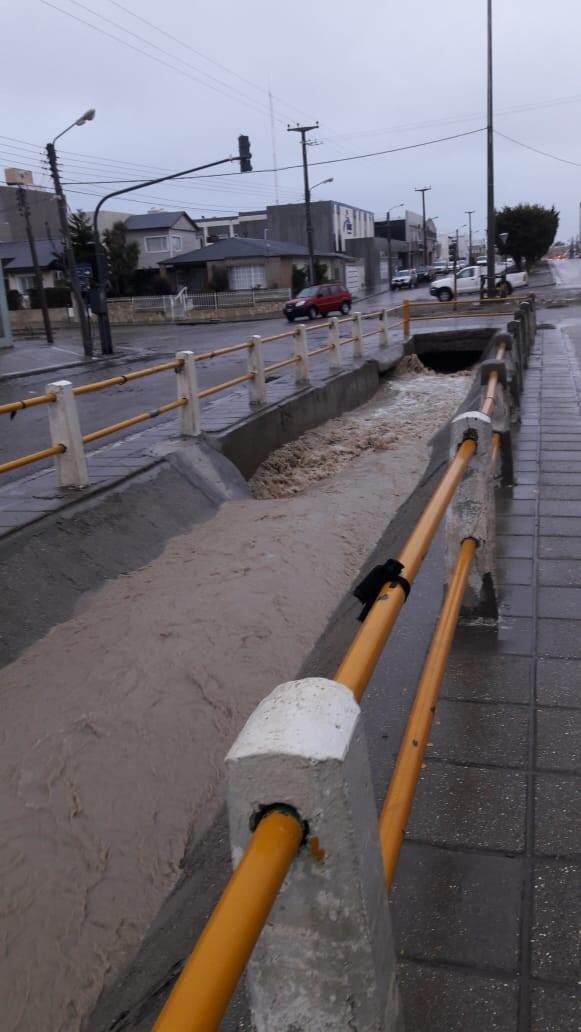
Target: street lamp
388, 224
322, 183
64, 221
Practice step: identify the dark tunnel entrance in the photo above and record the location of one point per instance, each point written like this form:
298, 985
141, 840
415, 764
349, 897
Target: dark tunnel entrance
450, 361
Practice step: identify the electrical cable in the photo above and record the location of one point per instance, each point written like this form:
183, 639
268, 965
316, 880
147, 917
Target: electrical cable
545, 154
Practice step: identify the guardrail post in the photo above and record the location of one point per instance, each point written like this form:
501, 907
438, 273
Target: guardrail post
471, 515
383, 329
301, 355
190, 423
335, 352
325, 959
405, 306
63, 419
357, 336
500, 414
257, 385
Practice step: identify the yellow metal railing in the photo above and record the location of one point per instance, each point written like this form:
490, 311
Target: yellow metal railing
201, 995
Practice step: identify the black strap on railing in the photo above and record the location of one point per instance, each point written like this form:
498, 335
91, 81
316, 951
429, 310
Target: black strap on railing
367, 591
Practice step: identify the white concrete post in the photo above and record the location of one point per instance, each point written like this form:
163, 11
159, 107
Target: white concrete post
190, 422
357, 336
302, 356
333, 340
501, 414
256, 386
325, 959
63, 418
471, 515
383, 329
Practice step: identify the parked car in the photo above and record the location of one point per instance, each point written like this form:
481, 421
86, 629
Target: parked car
404, 278
469, 281
423, 273
439, 269
320, 300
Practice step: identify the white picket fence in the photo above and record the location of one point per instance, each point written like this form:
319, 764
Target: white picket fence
176, 306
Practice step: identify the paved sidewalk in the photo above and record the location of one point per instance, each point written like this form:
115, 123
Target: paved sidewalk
487, 898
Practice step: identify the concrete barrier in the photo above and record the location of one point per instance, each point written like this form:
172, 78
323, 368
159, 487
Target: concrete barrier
325, 959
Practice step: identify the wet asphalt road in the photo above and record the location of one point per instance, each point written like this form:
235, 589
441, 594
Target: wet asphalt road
27, 432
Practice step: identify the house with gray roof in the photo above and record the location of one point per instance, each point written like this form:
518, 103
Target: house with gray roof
162, 235
18, 270
245, 263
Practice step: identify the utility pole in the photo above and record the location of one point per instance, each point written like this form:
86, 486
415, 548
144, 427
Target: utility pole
24, 209
470, 214
423, 190
490, 234
388, 219
69, 253
303, 130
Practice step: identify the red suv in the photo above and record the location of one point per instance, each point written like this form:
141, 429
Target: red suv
321, 300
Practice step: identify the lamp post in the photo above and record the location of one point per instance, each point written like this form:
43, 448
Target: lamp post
388, 225
64, 222
322, 183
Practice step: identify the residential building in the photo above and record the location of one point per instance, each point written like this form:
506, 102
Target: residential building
161, 235
16, 262
409, 230
244, 224
334, 224
44, 217
243, 263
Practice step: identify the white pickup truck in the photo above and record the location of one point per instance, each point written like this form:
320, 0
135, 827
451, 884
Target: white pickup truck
469, 281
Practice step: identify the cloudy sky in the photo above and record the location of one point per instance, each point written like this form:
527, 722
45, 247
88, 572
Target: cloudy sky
175, 81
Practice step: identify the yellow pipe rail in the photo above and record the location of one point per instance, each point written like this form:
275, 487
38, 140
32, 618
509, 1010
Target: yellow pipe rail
361, 657
319, 351
203, 991
223, 351
224, 386
16, 406
400, 794
25, 460
281, 364
114, 428
118, 381
279, 336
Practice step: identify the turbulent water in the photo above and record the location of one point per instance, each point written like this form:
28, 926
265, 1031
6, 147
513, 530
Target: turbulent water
116, 723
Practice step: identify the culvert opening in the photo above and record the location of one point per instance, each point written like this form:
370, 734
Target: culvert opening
450, 361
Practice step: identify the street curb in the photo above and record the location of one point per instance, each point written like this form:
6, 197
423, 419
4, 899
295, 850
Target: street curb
95, 363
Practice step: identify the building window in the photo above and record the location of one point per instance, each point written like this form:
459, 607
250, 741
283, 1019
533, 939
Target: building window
59, 274
176, 242
246, 277
26, 283
156, 243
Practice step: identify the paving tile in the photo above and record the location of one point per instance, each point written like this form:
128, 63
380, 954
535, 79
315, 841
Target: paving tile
470, 807
562, 492
499, 679
473, 902
560, 507
568, 526
565, 572
559, 638
526, 466
556, 922
560, 479
559, 547
525, 491
560, 603
557, 816
558, 682
441, 999
515, 507
528, 478
514, 571
479, 733
559, 741
557, 466
516, 600
515, 546
555, 1009
515, 525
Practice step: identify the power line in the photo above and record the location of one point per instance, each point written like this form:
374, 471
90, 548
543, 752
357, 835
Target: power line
312, 164
545, 154
229, 95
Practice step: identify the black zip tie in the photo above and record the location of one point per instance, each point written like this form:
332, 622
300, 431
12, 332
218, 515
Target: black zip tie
367, 592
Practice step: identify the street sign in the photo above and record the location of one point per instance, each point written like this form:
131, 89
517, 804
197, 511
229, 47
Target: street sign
84, 274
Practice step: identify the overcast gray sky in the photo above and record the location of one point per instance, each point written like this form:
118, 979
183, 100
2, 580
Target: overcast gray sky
377, 74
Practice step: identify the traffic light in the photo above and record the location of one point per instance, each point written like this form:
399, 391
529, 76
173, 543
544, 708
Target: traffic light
453, 249
244, 154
